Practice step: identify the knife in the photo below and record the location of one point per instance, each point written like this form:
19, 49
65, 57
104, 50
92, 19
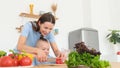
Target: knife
51, 60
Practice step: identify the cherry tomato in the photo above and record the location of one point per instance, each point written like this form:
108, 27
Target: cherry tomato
6, 61
59, 60
25, 61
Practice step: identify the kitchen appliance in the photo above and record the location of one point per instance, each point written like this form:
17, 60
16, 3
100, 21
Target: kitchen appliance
87, 35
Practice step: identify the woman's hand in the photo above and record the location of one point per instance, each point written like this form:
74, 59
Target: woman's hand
41, 56
62, 56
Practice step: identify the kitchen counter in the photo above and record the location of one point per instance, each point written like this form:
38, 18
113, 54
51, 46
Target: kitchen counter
113, 65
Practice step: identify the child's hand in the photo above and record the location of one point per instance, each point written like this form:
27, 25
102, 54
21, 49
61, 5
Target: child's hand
41, 56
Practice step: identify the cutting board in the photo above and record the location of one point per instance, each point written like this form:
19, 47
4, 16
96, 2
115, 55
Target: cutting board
51, 66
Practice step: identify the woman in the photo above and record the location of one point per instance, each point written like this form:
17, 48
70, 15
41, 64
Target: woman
32, 31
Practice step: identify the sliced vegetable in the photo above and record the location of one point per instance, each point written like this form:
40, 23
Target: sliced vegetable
59, 60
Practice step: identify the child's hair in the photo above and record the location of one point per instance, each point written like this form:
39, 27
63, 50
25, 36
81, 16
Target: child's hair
43, 39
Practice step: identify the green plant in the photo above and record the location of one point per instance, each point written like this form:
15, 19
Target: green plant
85, 56
114, 36
75, 59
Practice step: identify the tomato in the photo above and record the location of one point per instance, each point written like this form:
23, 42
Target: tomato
15, 62
6, 61
118, 53
25, 61
59, 60
0, 61
15, 59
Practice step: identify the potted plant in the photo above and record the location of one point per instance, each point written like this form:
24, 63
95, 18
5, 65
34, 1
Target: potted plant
114, 36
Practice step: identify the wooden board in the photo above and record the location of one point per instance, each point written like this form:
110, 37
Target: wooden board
29, 15
51, 66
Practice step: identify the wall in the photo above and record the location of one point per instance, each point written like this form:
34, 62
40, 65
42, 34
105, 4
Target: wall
69, 19
73, 14
105, 15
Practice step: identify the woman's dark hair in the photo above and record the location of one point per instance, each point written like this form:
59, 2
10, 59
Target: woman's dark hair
47, 17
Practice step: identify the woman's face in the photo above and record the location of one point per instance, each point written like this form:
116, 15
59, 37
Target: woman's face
46, 28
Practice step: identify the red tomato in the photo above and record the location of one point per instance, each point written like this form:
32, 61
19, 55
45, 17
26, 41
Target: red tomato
15, 62
0, 61
6, 61
25, 61
59, 60
14, 57
118, 53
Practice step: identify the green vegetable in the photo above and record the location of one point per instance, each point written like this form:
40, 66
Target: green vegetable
2, 53
74, 56
75, 59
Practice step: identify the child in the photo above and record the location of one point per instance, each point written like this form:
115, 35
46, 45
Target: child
44, 45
